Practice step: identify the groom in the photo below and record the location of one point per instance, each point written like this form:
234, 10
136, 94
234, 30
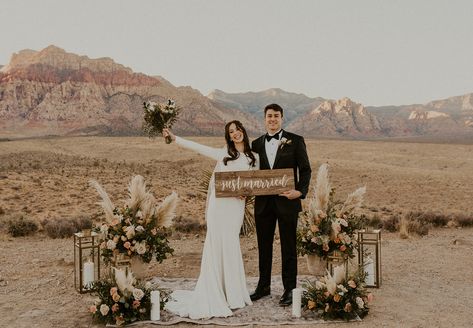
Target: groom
279, 149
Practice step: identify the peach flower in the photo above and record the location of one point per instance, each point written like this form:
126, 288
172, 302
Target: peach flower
93, 309
115, 307
311, 304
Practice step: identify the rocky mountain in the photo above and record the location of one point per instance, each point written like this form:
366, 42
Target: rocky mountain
337, 118
52, 92
294, 104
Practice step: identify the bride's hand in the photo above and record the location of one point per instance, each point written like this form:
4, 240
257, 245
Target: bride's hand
167, 132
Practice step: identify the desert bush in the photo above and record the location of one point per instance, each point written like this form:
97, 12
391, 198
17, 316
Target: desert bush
82, 222
464, 220
392, 223
434, 219
419, 228
22, 227
187, 225
2, 211
375, 222
60, 228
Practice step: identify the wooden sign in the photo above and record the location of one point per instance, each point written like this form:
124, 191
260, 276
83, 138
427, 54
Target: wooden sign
253, 183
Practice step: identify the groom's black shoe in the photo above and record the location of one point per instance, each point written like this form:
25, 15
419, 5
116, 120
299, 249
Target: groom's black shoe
260, 292
286, 298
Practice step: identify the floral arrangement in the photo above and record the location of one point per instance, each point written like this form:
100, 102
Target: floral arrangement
334, 297
159, 116
284, 141
329, 226
122, 300
140, 227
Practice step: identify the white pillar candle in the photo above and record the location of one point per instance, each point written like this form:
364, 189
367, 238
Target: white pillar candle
369, 269
296, 302
88, 274
155, 305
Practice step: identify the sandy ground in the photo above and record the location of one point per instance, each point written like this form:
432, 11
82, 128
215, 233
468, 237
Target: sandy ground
427, 282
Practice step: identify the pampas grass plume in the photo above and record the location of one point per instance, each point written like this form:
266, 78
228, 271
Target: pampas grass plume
106, 203
166, 211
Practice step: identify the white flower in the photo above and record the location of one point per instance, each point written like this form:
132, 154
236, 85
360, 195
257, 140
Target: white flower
138, 294
104, 309
130, 231
342, 288
141, 247
343, 222
139, 214
104, 229
148, 285
360, 302
284, 142
139, 228
111, 244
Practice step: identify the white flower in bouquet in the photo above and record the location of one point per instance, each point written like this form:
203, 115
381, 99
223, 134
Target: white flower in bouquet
359, 302
141, 247
111, 244
138, 294
104, 309
130, 231
104, 229
139, 228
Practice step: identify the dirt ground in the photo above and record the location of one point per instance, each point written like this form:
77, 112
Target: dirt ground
427, 282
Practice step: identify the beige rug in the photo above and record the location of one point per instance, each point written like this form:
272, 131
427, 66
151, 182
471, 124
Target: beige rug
265, 311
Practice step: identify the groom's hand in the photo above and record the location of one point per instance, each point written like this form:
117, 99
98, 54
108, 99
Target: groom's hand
291, 194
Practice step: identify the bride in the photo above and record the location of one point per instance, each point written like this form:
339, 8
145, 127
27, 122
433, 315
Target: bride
221, 286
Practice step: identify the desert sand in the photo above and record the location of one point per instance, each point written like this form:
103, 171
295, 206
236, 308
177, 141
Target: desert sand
427, 281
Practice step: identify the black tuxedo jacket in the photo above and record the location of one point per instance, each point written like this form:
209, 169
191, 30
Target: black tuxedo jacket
292, 155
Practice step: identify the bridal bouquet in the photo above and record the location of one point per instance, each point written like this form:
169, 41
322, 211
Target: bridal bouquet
334, 297
140, 227
159, 116
123, 300
329, 226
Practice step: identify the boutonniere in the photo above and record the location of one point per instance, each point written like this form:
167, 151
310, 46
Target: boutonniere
284, 141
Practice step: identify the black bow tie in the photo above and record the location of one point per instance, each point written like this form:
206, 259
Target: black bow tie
268, 137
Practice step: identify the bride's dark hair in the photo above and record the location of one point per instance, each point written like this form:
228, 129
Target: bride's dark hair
232, 151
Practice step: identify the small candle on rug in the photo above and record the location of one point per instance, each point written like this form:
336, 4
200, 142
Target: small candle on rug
88, 277
155, 305
369, 268
296, 302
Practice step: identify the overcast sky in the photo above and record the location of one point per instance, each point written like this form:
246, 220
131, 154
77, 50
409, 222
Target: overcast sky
375, 52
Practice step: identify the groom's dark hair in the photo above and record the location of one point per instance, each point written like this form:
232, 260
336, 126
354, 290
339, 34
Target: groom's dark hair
274, 107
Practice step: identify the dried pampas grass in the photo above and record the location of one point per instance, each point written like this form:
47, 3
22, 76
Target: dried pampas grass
137, 192
106, 203
404, 228
322, 191
166, 211
124, 280
354, 200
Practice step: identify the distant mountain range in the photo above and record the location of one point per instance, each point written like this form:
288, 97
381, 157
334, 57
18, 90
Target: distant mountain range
52, 92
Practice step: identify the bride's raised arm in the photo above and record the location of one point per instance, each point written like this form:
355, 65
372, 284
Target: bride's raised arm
214, 153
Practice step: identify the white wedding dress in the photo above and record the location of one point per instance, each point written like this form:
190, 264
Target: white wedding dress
222, 283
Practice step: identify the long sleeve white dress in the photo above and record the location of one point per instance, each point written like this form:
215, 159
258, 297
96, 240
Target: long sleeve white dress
221, 286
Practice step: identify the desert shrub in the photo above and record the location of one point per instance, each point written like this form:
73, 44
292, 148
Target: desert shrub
419, 228
60, 228
375, 222
391, 224
2, 211
22, 227
187, 225
82, 222
434, 219
464, 220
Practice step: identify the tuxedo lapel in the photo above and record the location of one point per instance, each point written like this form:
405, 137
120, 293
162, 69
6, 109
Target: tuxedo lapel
263, 156
278, 153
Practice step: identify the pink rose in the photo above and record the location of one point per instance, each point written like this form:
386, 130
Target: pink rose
154, 231
136, 304
352, 284
325, 247
343, 248
115, 307
347, 307
93, 309
113, 291
115, 297
127, 245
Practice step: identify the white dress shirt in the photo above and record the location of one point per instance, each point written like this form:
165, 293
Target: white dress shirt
271, 148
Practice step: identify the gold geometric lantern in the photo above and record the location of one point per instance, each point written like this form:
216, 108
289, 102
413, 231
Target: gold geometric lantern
369, 256
86, 260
